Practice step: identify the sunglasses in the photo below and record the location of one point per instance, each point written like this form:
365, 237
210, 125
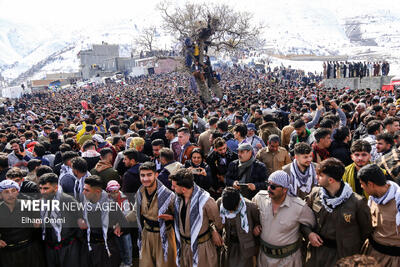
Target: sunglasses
273, 186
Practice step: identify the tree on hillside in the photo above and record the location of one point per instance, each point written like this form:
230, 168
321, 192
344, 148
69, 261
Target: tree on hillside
204, 27
147, 39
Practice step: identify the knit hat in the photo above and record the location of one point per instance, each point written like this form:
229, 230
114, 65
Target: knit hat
280, 178
7, 184
112, 185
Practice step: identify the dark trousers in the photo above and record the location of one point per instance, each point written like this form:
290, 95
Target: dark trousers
64, 257
98, 256
32, 256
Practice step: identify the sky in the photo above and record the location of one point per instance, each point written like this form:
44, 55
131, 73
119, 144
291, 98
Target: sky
75, 13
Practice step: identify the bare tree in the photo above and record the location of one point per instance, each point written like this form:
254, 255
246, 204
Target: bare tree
147, 39
203, 27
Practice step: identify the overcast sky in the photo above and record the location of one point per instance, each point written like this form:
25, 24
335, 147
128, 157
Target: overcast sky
81, 12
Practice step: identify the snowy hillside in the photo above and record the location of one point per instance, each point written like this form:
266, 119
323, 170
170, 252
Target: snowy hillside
293, 27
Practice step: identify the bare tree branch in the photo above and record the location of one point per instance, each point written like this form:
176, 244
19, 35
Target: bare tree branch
147, 39
209, 25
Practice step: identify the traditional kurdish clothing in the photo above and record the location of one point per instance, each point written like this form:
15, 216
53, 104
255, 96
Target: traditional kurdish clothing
280, 237
22, 249
62, 246
240, 244
384, 244
331, 203
156, 240
78, 187
343, 223
241, 210
301, 183
192, 221
101, 243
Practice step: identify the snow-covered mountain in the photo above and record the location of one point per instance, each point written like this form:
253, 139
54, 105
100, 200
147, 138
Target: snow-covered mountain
293, 27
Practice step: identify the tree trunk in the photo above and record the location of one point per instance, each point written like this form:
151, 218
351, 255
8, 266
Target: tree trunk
204, 91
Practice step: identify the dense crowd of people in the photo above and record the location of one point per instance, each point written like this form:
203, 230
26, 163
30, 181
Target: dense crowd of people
277, 172
336, 69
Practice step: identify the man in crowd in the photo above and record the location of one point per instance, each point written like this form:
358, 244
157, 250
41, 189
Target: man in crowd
80, 171
247, 173
197, 222
19, 156
340, 215
102, 224
391, 125
384, 143
268, 127
62, 233
157, 144
361, 155
160, 133
302, 134
374, 128
281, 216
218, 160
384, 203
321, 145
186, 146
67, 178
26, 188
274, 156
104, 168
174, 145
18, 244
90, 154
153, 211
204, 138
170, 166
240, 217
232, 144
131, 179
240, 133
301, 171
253, 139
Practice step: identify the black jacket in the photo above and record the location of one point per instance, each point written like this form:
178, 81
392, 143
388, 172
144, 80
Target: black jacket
55, 146
30, 189
3, 174
131, 182
341, 151
204, 182
214, 161
360, 132
92, 161
259, 176
160, 134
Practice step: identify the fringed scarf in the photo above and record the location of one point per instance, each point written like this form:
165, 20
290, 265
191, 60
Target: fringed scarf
241, 210
164, 196
392, 193
303, 181
331, 203
105, 219
54, 215
197, 202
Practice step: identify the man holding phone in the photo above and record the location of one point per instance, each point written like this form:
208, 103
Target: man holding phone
247, 173
19, 157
